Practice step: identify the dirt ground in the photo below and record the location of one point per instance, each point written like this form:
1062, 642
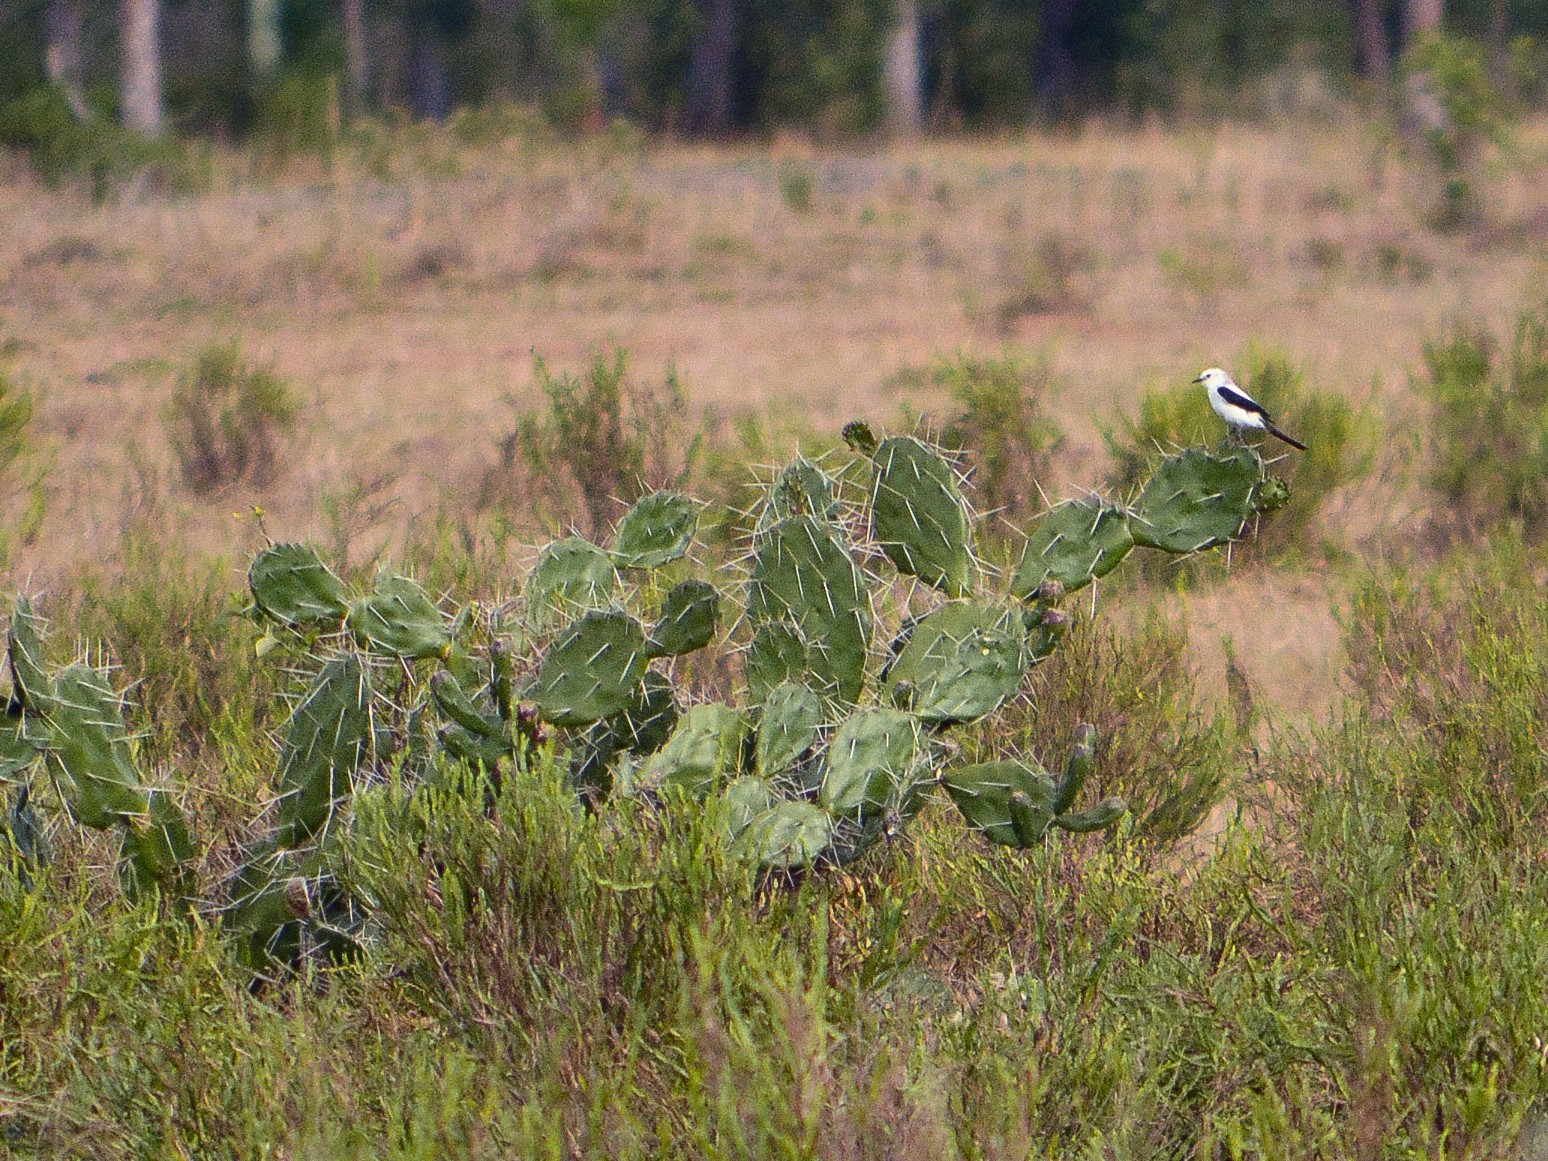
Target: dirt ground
406, 305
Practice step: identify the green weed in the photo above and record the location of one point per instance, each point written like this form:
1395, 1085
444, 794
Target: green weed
228, 422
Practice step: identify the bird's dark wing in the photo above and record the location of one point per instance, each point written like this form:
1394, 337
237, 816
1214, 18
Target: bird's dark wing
1237, 399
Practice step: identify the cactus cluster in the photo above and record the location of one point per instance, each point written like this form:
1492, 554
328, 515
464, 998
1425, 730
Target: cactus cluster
837, 736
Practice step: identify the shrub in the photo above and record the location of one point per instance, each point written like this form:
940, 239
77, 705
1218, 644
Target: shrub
1456, 111
999, 419
603, 437
227, 421
1490, 453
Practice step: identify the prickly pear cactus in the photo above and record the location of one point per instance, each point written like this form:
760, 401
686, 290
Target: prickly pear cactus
1073, 543
1196, 501
327, 740
400, 620
1014, 802
656, 531
960, 662
569, 574
592, 670
292, 586
690, 614
918, 515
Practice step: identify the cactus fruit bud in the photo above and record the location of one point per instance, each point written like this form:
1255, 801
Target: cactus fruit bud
858, 435
1099, 817
1077, 769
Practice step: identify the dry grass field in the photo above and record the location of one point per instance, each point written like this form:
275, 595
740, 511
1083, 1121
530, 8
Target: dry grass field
404, 296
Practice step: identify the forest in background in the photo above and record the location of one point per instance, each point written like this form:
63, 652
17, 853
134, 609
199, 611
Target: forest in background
718, 67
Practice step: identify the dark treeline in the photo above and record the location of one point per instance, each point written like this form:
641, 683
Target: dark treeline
714, 67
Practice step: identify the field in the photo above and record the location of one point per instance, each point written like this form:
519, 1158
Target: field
1323, 931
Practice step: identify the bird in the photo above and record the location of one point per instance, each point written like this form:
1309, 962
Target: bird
1238, 409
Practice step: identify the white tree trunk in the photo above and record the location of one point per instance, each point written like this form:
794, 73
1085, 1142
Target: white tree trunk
355, 51
1421, 18
263, 36
901, 74
140, 65
62, 52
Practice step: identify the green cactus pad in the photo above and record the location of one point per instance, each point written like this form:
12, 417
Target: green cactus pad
702, 751
787, 836
644, 725
869, 762
569, 574
745, 799
802, 489
690, 614
787, 727
291, 585
1076, 770
1099, 817
156, 850
454, 703
22, 839
592, 671
656, 530
24, 652
983, 794
1196, 500
328, 737
776, 655
963, 661
802, 575
1072, 543
918, 516
88, 750
17, 751
400, 620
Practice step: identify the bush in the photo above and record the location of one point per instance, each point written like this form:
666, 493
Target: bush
1341, 442
999, 419
228, 421
603, 438
1456, 111
1490, 453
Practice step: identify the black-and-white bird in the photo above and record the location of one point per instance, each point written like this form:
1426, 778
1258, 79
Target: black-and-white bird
1240, 410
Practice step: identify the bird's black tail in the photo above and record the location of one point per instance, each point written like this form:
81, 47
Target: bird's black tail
1276, 433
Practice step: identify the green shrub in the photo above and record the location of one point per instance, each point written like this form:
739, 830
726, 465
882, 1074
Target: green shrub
1000, 422
1490, 437
1456, 111
1341, 439
603, 438
228, 422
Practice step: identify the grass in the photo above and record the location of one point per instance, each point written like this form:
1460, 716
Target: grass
1323, 933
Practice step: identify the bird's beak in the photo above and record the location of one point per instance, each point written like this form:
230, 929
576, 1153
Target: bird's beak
1200, 379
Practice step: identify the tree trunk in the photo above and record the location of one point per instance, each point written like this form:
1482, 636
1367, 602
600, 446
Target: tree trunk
1499, 42
1421, 18
1056, 72
429, 81
62, 52
140, 65
355, 50
263, 36
902, 75
1373, 57
710, 80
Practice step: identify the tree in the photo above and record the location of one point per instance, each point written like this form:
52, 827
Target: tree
711, 90
263, 35
140, 65
1421, 18
902, 74
62, 52
1373, 57
1055, 75
355, 50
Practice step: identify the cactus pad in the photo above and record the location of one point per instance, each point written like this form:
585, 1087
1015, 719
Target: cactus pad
703, 750
962, 661
745, 799
656, 530
983, 794
869, 762
400, 620
787, 727
1072, 543
291, 585
1196, 500
775, 655
156, 851
592, 670
328, 737
802, 575
88, 750
569, 574
802, 489
918, 516
788, 836
690, 614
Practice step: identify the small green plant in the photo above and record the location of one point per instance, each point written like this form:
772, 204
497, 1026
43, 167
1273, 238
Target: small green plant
1044, 279
1456, 111
228, 422
797, 187
604, 436
1490, 442
999, 419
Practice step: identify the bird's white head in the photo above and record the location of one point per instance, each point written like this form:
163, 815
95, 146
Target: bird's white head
1214, 378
